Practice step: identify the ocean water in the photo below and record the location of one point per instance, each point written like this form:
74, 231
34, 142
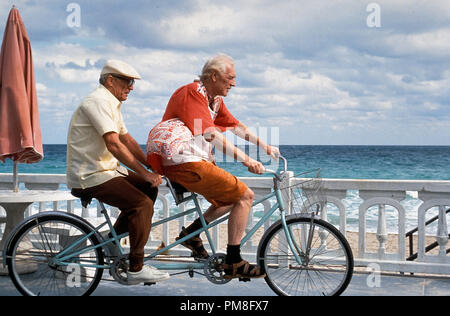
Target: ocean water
339, 162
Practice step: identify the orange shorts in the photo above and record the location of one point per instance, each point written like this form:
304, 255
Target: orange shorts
218, 186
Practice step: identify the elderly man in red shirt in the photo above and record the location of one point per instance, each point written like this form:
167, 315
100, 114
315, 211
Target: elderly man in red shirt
195, 118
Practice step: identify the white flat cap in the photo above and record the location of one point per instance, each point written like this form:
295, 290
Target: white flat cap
121, 68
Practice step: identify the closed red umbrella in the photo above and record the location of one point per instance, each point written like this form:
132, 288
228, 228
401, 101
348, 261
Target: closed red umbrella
20, 131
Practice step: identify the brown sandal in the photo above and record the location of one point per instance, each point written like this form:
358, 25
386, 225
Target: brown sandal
195, 244
242, 270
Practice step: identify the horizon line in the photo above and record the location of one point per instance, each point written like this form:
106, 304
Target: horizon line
397, 145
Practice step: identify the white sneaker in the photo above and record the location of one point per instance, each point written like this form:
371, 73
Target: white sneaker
147, 274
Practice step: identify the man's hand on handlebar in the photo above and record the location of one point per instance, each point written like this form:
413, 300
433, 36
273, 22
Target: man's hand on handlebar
154, 178
254, 166
273, 152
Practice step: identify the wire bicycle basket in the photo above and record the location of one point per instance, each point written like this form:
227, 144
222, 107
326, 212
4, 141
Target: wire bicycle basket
304, 193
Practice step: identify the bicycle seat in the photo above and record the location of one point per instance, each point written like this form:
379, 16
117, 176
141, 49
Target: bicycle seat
85, 200
177, 190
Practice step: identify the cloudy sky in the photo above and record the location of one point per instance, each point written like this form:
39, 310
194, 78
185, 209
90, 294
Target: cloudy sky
309, 72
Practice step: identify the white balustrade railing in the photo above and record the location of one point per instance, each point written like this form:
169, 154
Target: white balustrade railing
378, 197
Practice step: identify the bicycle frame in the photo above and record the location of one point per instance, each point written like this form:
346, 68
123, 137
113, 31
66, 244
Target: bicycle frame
63, 258
205, 228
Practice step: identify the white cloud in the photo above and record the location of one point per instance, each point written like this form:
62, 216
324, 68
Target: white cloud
208, 25
435, 43
41, 88
77, 75
306, 67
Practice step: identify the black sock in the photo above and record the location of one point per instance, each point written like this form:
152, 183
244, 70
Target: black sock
196, 225
233, 254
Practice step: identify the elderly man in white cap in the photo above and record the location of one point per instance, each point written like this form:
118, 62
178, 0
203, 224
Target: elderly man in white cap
97, 143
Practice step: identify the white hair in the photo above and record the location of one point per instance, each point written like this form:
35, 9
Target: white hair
218, 63
103, 78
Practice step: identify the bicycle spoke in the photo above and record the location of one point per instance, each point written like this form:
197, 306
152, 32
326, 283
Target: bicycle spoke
325, 262
35, 249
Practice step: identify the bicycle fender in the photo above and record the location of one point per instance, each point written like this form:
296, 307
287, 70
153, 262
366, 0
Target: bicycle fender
36, 217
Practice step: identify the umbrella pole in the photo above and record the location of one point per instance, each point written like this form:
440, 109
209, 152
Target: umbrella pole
16, 177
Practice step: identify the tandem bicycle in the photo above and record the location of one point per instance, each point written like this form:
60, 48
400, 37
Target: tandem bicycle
301, 254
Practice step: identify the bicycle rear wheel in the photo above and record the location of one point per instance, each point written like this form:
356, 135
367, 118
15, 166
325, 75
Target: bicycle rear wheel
326, 264
32, 259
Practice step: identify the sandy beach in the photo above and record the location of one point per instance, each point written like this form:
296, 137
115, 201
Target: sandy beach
372, 243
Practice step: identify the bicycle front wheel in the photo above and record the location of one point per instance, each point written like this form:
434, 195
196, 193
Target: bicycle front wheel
326, 260
50, 255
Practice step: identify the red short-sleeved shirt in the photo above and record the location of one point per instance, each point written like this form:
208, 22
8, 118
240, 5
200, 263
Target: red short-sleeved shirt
188, 112
190, 104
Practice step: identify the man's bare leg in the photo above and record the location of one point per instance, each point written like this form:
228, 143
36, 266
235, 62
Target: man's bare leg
238, 216
235, 266
237, 222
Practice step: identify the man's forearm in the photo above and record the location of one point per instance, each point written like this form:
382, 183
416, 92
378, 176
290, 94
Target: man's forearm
221, 143
123, 154
134, 148
243, 132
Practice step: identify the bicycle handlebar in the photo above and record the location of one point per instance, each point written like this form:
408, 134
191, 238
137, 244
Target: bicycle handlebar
274, 173
285, 163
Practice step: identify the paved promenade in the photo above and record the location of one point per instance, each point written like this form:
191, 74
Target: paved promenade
183, 285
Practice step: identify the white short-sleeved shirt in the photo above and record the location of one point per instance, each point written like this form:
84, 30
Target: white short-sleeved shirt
89, 163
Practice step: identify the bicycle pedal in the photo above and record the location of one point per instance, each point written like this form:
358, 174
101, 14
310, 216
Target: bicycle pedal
244, 279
